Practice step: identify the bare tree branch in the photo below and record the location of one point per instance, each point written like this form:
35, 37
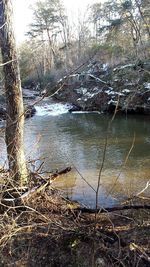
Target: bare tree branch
142, 191
8, 62
3, 25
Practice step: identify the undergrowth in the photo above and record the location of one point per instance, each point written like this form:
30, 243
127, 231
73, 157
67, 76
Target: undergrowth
45, 229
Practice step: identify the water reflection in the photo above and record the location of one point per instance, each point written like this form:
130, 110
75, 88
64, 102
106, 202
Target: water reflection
78, 140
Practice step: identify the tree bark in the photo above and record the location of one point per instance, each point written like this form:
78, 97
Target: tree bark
14, 101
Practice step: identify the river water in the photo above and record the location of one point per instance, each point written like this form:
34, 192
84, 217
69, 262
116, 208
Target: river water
61, 139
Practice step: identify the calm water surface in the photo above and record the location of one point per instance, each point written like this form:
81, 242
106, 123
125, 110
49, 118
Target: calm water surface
78, 140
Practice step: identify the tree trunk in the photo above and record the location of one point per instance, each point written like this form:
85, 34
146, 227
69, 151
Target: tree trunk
147, 26
14, 101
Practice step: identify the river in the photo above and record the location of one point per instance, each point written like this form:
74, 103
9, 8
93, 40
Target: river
61, 139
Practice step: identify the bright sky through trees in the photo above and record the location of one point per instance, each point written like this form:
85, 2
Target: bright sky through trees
23, 13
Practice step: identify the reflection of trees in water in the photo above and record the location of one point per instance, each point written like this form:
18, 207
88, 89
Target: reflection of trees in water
80, 138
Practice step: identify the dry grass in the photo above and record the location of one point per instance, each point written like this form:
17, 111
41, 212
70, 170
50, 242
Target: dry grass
46, 230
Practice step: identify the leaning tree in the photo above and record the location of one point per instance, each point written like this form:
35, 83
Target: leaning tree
14, 102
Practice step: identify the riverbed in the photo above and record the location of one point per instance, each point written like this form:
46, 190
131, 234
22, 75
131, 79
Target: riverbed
59, 139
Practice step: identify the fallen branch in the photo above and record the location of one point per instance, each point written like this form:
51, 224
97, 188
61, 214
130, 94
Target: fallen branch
44, 183
98, 79
6, 63
117, 208
32, 192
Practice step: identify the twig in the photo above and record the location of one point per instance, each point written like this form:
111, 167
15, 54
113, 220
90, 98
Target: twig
147, 185
3, 25
123, 165
6, 63
140, 251
100, 171
138, 194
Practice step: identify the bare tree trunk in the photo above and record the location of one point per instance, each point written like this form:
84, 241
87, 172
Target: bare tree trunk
147, 26
14, 101
52, 52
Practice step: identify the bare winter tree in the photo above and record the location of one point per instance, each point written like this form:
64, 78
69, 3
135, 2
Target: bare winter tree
14, 101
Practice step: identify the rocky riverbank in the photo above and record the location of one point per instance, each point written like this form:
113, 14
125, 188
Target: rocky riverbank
28, 97
102, 88
125, 88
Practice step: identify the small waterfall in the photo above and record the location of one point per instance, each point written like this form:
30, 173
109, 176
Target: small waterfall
53, 109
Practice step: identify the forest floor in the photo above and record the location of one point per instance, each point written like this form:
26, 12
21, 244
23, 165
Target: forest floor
48, 230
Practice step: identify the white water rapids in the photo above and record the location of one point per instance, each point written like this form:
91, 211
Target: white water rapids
53, 109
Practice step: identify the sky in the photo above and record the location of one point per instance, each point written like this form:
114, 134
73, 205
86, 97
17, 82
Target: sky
23, 13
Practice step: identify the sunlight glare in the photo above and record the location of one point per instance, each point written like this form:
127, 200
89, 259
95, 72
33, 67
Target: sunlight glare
23, 13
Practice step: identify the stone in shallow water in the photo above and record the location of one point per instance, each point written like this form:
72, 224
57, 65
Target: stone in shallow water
2, 113
29, 111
